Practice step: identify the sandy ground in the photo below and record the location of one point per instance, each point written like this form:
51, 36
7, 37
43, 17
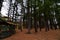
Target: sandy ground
40, 35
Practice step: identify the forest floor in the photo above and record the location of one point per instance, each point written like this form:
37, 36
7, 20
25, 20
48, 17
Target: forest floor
40, 35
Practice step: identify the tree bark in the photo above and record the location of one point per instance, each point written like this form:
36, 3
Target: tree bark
28, 17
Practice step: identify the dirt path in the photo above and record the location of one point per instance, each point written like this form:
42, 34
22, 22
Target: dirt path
50, 35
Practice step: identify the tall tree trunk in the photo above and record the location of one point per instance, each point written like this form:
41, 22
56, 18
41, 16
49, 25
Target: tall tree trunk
46, 14
9, 14
22, 15
39, 14
31, 13
28, 17
35, 17
16, 14
13, 19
